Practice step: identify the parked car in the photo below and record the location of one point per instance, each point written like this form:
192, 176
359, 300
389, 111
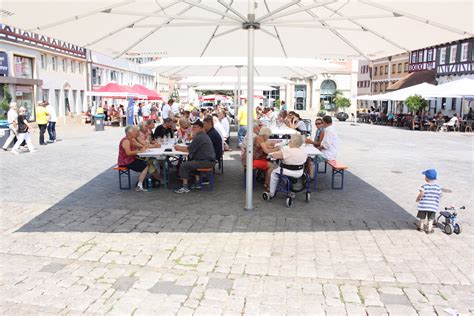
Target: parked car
342, 116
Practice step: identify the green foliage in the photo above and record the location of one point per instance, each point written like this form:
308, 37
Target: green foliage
5, 103
416, 103
321, 113
342, 102
278, 104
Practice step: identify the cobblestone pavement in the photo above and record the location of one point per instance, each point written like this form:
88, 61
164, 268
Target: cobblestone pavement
72, 242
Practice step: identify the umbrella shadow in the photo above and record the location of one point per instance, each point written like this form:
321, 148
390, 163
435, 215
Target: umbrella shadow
100, 206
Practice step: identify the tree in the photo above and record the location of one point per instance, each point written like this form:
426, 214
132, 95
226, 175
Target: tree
5, 103
416, 103
342, 102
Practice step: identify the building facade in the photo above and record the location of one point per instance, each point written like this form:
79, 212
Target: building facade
36, 67
388, 70
364, 82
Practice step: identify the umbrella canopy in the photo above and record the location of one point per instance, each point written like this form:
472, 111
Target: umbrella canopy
229, 87
114, 90
329, 28
337, 28
456, 89
422, 89
226, 66
150, 94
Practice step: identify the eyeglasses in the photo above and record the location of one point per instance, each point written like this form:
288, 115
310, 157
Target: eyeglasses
319, 123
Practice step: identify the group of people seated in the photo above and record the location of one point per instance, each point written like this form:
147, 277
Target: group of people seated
206, 138
325, 139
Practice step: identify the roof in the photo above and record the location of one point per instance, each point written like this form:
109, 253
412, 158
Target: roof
414, 78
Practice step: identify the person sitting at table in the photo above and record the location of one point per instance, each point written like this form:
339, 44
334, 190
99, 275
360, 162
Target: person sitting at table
165, 129
184, 130
127, 156
201, 155
301, 127
330, 141
145, 138
261, 148
318, 138
214, 135
293, 155
452, 123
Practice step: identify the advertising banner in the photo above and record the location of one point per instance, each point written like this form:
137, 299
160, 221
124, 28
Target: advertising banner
130, 111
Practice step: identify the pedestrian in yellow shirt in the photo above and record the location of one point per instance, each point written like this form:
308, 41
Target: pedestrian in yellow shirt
242, 118
42, 120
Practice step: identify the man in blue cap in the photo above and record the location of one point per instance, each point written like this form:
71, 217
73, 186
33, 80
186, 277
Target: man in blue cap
428, 201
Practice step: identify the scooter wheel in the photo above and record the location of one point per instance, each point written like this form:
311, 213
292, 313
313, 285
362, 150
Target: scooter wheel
289, 202
448, 229
308, 197
266, 196
457, 229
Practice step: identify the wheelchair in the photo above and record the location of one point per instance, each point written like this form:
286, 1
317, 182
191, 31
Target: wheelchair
290, 186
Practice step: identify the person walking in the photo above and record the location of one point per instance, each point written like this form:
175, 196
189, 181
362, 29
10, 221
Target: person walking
12, 117
24, 133
52, 118
42, 120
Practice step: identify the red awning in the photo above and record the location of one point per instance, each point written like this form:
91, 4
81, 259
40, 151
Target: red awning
150, 94
114, 90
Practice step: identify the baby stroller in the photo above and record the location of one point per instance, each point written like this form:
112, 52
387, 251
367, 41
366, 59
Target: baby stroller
290, 186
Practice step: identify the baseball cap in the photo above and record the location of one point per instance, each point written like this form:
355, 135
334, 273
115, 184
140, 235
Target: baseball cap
199, 123
431, 174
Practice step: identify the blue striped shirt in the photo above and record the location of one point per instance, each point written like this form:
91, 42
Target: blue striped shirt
431, 196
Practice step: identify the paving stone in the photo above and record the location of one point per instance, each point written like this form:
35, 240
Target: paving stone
220, 283
124, 283
169, 288
52, 267
394, 299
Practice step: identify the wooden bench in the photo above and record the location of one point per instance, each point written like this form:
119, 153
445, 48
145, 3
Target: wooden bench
337, 169
122, 171
209, 172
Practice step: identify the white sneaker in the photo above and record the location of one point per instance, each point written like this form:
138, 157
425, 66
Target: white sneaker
15, 152
140, 189
34, 151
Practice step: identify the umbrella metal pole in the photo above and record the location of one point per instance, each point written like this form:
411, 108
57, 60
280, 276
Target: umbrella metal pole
251, 26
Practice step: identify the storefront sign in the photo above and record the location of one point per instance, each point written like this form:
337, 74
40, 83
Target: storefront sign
3, 64
19, 36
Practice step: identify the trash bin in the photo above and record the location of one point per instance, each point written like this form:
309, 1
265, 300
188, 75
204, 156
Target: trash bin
99, 122
4, 133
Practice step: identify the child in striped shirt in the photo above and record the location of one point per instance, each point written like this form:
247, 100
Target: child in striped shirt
428, 201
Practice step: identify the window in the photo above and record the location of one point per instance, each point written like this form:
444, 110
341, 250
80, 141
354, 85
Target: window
399, 67
375, 71
453, 104
442, 56
43, 61
376, 85
464, 51
64, 65
452, 54
413, 58
54, 63
300, 97
386, 69
406, 67
430, 55
386, 86
23, 67
45, 94
420, 56
393, 69
73, 66
81, 68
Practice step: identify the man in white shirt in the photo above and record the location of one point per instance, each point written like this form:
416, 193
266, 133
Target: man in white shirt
52, 118
166, 109
12, 117
146, 111
175, 108
330, 141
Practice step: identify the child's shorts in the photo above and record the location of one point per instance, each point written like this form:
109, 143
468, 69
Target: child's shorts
424, 214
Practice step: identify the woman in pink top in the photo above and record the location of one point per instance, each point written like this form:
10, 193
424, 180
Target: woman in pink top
127, 156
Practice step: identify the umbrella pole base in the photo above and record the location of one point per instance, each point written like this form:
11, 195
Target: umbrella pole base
247, 209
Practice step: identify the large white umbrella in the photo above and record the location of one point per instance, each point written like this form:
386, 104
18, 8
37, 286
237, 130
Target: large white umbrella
422, 89
335, 29
454, 89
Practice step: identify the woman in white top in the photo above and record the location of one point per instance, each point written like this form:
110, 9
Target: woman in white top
293, 154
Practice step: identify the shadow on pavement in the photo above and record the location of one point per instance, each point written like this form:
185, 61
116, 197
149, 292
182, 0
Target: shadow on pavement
99, 206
